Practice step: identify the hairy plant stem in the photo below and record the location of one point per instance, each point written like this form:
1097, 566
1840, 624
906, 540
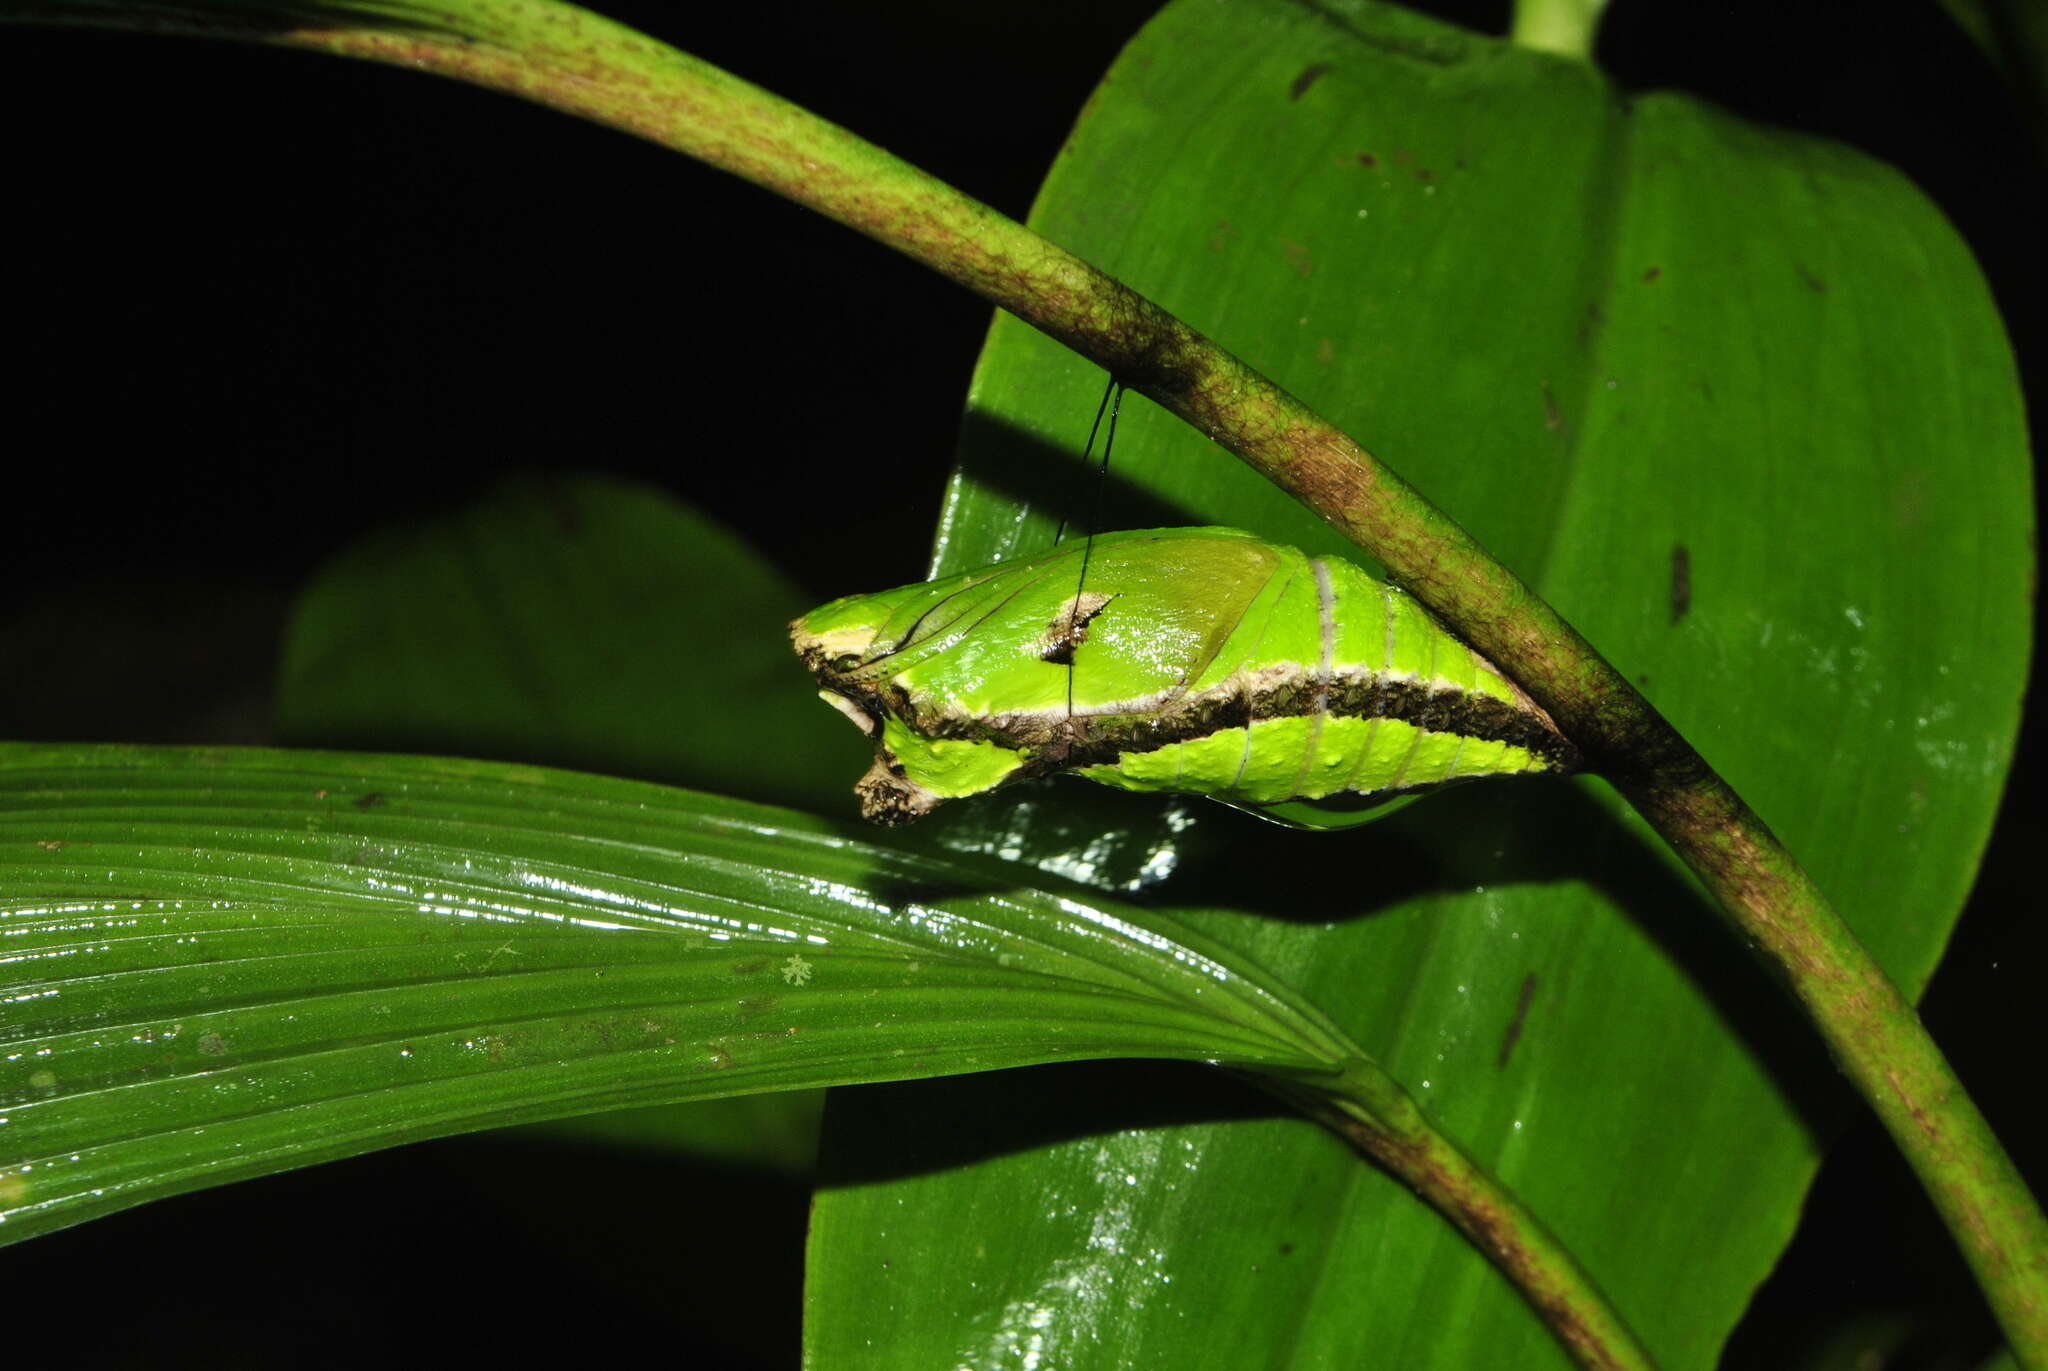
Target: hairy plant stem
577, 62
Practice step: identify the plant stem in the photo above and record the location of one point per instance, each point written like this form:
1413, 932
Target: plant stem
1372, 1112
575, 61
1565, 27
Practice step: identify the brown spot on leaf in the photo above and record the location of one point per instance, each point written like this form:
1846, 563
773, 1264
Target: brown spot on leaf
1309, 76
1514, 1033
1653, 273
370, 801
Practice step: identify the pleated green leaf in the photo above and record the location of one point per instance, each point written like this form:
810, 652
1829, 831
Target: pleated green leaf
1738, 403
220, 963
564, 620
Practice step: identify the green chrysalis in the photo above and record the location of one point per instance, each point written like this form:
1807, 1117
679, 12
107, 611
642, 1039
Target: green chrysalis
1200, 660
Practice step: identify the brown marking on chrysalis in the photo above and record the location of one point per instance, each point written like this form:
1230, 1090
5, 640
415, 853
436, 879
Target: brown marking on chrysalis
1069, 628
1281, 691
889, 797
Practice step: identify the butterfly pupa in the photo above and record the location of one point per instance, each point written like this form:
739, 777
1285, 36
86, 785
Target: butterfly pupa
1202, 661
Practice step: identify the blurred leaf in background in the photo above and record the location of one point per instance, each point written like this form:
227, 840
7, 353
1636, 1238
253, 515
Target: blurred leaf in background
2013, 35
578, 621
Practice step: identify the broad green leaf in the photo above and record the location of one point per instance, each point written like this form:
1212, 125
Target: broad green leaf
575, 621
582, 622
221, 963
1736, 401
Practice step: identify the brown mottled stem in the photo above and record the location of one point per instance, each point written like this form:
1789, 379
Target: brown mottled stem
1371, 1111
575, 61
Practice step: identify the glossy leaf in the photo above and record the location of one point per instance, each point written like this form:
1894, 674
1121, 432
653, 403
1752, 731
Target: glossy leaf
222, 963
1738, 403
589, 623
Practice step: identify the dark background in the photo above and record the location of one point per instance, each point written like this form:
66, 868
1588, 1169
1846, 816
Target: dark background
264, 302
